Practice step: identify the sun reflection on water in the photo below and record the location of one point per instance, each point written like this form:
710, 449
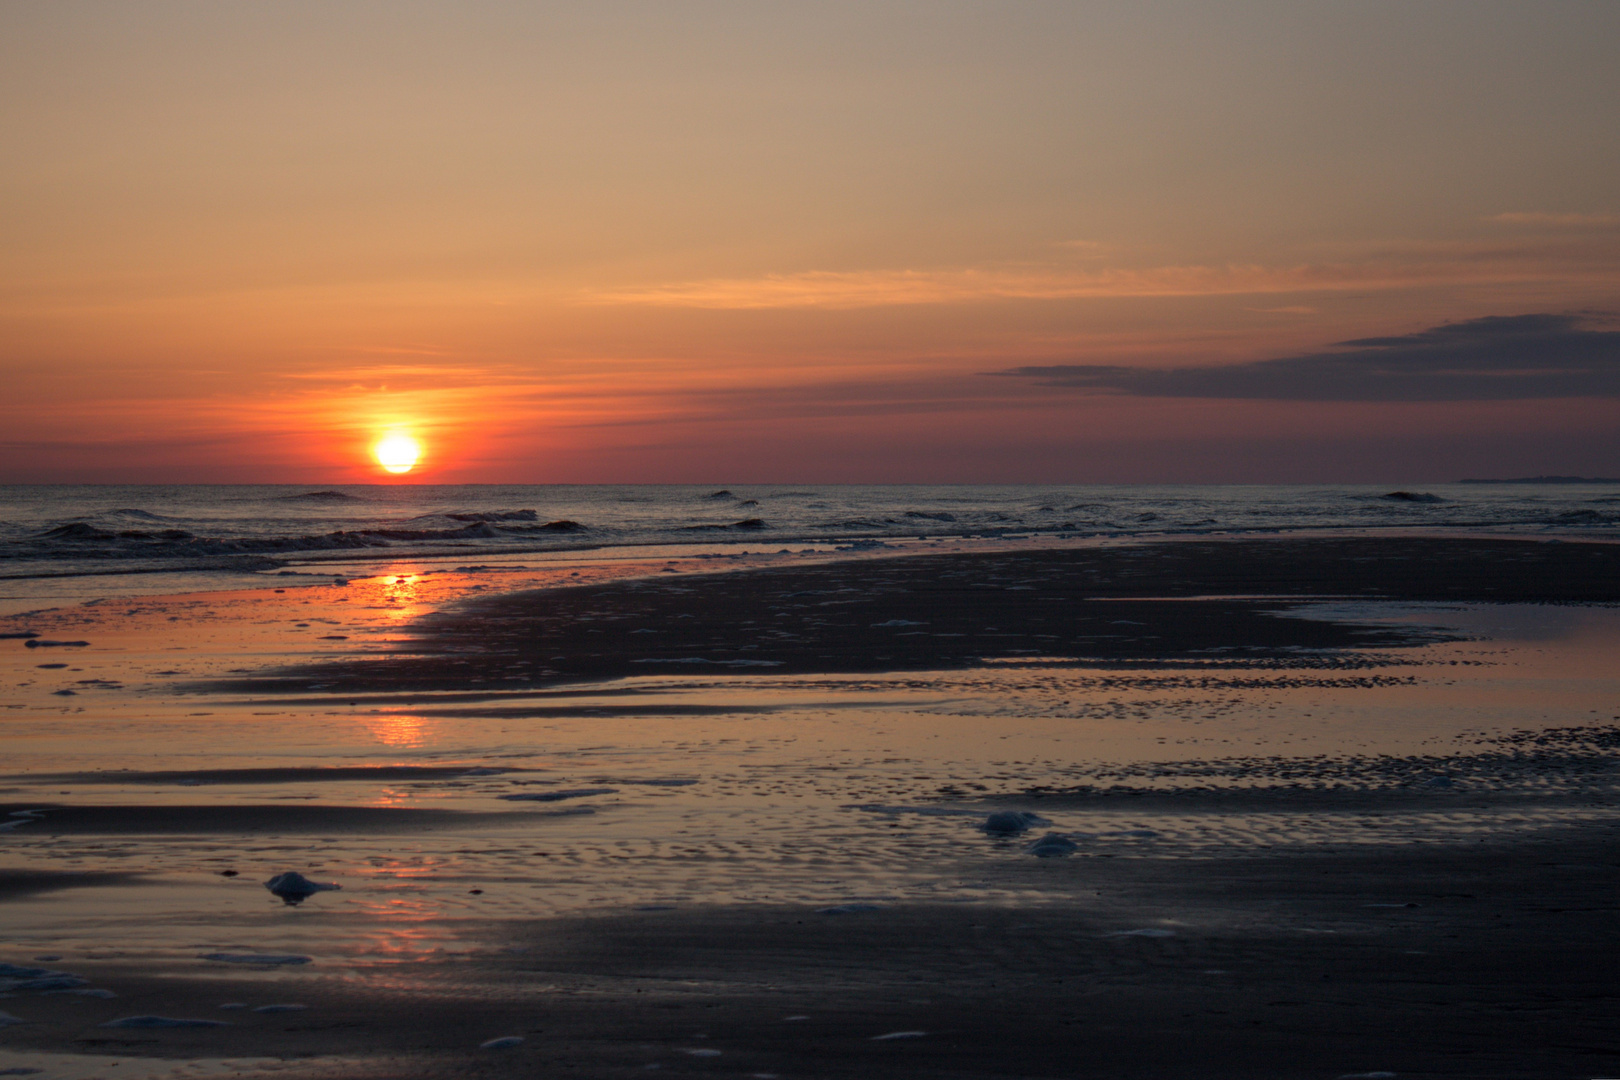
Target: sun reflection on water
401, 731
403, 595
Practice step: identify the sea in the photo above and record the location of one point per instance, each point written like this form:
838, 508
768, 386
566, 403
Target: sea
73, 541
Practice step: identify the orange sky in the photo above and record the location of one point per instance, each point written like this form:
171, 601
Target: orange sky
737, 242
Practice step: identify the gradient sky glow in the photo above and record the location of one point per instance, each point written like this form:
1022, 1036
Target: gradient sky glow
810, 242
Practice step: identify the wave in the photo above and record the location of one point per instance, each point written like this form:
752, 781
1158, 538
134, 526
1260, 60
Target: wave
83, 530
85, 540
496, 515
139, 515
98, 531
483, 530
1399, 497
746, 523
320, 497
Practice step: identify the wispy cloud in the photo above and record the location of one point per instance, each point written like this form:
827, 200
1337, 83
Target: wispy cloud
1499, 358
882, 288
1562, 221
372, 372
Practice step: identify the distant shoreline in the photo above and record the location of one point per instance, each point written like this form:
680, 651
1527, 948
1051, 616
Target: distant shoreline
1547, 480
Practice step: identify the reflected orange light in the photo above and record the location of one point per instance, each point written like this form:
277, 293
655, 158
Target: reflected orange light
405, 732
402, 594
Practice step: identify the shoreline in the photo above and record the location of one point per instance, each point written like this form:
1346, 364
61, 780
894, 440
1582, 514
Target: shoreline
822, 548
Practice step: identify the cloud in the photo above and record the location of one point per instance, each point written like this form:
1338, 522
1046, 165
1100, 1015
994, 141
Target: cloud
1563, 221
1394, 269
1498, 358
372, 372
887, 288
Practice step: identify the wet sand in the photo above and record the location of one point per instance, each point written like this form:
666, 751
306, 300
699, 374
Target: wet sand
1311, 837
1491, 961
944, 611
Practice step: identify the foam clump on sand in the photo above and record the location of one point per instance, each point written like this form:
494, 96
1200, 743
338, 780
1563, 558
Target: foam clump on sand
19, 819
295, 888
1012, 822
32, 980
146, 1022
1052, 846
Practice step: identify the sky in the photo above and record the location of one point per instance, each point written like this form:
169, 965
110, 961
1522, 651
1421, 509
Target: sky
757, 242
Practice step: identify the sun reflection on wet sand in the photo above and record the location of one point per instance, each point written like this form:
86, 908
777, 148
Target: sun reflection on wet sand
403, 594
399, 730
407, 932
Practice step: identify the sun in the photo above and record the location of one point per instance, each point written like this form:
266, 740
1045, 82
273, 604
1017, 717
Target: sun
397, 453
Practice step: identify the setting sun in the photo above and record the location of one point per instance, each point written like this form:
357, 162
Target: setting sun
397, 453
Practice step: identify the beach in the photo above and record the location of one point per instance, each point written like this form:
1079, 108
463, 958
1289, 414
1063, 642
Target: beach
1296, 806
900, 541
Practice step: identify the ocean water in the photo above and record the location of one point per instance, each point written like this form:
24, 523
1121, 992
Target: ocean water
188, 537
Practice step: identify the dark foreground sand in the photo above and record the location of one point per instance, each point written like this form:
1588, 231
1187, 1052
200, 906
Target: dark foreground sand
1491, 962
1492, 955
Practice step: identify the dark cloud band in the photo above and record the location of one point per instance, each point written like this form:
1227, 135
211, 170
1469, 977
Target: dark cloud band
1498, 358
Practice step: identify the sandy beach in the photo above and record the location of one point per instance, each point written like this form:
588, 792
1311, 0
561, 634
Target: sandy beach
836, 541
1295, 807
